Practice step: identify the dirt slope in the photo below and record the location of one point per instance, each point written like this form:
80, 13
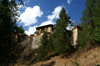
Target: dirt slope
87, 58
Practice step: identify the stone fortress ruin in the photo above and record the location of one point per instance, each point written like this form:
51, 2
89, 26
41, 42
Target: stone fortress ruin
75, 35
49, 29
38, 34
35, 39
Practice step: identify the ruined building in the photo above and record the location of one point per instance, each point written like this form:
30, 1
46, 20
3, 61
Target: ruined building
38, 34
75, 35
49, 29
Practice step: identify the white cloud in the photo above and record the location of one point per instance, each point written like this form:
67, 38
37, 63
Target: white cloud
55, 13
69, 1
50, 18
31, 30
73, 21
47, 22
69, 27
22, 7
30, 15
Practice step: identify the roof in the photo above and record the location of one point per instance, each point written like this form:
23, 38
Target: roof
44, 26
77, 27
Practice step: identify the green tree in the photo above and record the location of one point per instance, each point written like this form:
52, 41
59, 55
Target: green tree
20, 30
61, 39
50, 44
90, 22
42, 50
8, 18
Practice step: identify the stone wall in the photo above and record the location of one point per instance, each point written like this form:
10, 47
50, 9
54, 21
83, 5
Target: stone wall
75, 37
36, 41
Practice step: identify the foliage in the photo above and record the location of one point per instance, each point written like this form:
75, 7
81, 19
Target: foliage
61, 37
20, 30
90, 23
50, 44
74, 63
42, 50
8, 18
65, 64
59, 42
85, 56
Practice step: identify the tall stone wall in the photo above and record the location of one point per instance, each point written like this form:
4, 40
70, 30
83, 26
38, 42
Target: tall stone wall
36, 41
75, 37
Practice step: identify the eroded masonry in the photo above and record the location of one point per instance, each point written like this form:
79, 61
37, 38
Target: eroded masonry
50, 29
38, 34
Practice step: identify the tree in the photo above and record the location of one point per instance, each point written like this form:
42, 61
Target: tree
90, 22
50, 44
8, 18
42, 50
61, 39
20, 30
96, 21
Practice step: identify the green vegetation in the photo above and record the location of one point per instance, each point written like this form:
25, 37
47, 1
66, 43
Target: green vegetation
74, 63
8, 13
86, 56
50, 44
65, 64
8, 27
20, 30
61, 36
42, 50
59, 41
90, 23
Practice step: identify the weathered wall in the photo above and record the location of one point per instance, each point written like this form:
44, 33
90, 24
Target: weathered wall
75, 37
36, 41
49, 29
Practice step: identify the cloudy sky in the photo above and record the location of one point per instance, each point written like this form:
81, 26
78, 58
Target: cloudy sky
36, 13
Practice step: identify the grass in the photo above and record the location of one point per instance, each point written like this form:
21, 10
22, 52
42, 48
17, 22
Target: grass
85, 56
65, 64
75, 63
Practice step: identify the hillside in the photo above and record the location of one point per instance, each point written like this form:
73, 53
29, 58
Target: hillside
86, 58
89, 56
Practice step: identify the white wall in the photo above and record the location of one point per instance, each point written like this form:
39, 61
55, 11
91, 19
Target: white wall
75, 37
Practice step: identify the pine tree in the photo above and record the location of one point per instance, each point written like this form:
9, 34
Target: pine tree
50, 44
96, 21
61, 40
8, 18
20, 30
90, 22
42, 50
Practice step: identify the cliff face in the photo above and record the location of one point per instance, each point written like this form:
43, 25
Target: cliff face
36, 41
26, 49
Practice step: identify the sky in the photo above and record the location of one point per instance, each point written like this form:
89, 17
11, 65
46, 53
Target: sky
36, 13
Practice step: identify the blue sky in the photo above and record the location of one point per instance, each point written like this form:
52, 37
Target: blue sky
42, 12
